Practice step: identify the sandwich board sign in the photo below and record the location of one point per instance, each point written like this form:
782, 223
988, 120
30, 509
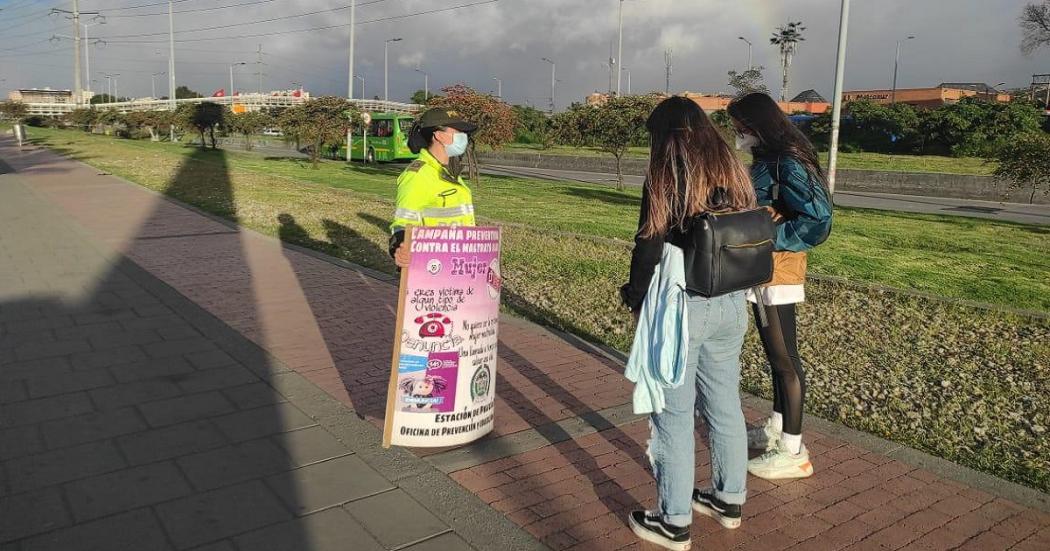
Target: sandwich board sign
443, 365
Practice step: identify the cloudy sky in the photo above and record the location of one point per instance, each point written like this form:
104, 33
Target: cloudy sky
956, 40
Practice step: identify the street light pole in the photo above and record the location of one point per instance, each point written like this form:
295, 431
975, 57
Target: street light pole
499, 88
76, 66
171, 65
896, 63
628, 71
87, 51
232, 65
153, 83
115, 91
554, 80
350, 72
353, 23
749, 64
619, 53
386, 67
426, 84
364, 93
836, 112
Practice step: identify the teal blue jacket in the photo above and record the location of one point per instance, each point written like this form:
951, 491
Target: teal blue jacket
802, 199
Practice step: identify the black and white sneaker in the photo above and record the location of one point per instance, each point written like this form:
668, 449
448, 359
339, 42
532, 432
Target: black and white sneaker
705, 503
651, 528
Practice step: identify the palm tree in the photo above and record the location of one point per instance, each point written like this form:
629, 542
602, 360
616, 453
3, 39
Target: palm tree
787, 38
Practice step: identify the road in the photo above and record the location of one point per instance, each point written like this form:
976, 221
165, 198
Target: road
992, 210
1009, 212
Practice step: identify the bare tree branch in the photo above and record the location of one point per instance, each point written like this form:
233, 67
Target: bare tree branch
1035, 22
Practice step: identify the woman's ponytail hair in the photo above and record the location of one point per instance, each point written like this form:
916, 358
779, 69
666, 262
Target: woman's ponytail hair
419, 138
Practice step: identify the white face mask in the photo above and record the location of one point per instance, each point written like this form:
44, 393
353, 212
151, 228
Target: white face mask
746, 141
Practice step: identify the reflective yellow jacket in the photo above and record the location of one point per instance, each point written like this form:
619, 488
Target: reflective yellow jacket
428, 195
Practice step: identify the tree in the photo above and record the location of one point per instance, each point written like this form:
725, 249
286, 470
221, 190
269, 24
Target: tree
420, 97
748, 81
203, 117
82, 118
612, 127
102, 98
1035, 23
1025, 163
150, 121
496, 120
532, 125
320, 121
572, 126
183, 92
109, 119
291, 120
787, 38
249, 124
973, 126
13, 110
870, 126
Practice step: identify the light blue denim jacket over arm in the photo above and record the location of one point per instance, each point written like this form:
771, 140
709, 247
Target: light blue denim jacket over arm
661, 341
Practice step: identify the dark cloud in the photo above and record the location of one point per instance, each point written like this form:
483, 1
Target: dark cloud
957, 40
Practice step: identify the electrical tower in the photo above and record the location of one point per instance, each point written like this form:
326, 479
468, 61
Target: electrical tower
668, 55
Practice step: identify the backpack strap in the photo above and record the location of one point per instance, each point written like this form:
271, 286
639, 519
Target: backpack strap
776, 182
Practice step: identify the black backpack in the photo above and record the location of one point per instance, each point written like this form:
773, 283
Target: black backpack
726, 252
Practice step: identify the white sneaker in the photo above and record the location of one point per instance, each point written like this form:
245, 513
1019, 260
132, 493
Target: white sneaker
779, 463
763, 437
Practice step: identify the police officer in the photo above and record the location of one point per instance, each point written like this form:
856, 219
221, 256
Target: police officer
430, 191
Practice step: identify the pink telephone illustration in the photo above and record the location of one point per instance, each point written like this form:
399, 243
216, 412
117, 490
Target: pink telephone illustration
433, 325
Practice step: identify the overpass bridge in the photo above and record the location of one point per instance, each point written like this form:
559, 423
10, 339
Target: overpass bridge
250, 102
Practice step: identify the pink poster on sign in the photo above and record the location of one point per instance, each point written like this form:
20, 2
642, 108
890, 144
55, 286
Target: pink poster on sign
444, 362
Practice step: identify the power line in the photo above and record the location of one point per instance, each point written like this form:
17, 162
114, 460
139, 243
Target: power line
118, 8
195, 10
38, 15
219, 27
327, 27
25, 45
35, 33
27, 4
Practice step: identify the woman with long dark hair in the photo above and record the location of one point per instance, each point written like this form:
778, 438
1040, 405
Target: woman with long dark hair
788, 180
692, 170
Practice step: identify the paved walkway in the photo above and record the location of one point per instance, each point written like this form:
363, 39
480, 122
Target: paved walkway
131, 419
567, 458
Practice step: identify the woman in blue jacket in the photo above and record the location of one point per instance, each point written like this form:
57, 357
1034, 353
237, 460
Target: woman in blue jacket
788, 180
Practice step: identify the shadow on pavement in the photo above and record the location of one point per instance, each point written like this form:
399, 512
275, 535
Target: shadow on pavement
124, 425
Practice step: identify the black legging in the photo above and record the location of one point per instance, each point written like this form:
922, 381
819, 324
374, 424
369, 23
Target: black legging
780, 342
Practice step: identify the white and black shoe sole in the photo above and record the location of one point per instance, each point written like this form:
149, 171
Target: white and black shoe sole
704, 509
648, 535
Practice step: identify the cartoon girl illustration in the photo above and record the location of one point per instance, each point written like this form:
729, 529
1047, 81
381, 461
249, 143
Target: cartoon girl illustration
419, 394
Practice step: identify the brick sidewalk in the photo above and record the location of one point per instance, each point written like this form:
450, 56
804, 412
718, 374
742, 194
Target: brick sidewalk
565, 462
130, 419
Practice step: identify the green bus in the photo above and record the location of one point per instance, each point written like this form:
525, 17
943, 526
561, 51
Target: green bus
387, 139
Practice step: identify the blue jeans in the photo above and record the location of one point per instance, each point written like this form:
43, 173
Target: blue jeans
716, 335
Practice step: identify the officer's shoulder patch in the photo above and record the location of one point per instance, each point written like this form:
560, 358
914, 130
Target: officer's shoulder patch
415, 166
